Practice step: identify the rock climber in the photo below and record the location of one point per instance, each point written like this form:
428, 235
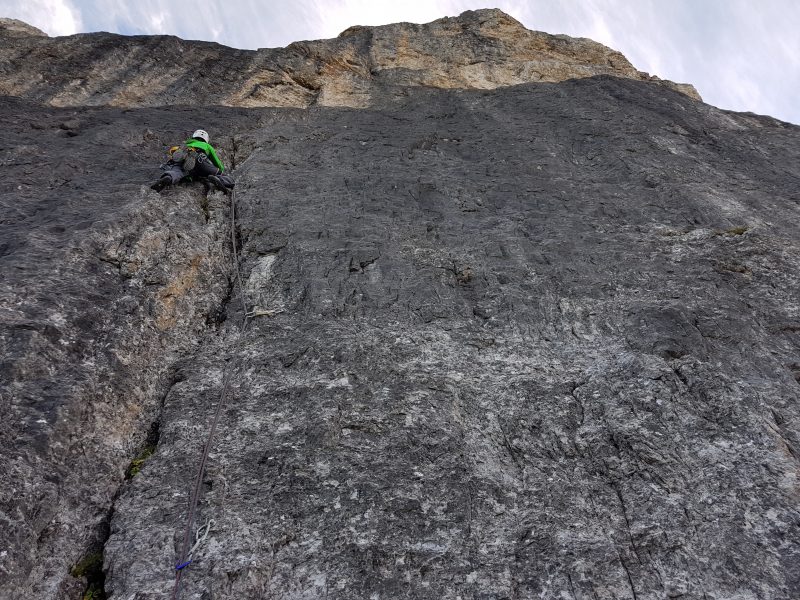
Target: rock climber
197, 159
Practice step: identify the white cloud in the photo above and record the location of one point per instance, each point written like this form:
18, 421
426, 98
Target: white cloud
337, 15
157, 22
54, 17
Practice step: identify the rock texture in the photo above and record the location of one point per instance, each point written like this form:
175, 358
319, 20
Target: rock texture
540, 341
482, 49
14, 27
104, 287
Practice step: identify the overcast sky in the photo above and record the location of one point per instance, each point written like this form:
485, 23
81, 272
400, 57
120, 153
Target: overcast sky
739, 54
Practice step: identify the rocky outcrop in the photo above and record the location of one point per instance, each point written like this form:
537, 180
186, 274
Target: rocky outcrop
104, 287
14, 27
482, 49
539, 341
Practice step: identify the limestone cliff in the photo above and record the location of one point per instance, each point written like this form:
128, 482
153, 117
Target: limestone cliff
537, 341
482, 49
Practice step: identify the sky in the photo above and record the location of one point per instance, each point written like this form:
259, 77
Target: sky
740, 54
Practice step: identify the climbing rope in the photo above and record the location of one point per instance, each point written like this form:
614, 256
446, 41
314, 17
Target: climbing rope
185, 558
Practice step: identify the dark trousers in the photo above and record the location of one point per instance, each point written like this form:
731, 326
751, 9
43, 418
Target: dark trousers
203, 167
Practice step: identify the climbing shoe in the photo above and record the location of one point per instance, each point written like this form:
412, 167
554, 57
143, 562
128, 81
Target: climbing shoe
218, 183
163, 182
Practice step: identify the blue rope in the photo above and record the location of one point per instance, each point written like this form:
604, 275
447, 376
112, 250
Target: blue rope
183, 565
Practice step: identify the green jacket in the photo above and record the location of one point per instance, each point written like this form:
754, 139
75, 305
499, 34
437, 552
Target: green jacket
208, 150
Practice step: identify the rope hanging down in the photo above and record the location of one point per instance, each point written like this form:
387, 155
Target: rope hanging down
185, 558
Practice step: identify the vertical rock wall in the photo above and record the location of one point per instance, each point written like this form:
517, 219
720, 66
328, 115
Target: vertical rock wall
539, 342
105, 285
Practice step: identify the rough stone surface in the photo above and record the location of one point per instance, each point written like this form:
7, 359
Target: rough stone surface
534, 343
481, 49
105, 284
540, 341
15, 27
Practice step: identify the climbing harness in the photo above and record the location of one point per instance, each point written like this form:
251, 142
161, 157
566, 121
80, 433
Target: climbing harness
185, 558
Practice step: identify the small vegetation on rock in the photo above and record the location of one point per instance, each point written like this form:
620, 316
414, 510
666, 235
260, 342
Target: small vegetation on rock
90, 568
137, 463
740, 230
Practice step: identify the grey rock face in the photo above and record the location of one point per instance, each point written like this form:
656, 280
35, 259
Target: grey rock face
535, 342
104, 286
481, 49
16, 28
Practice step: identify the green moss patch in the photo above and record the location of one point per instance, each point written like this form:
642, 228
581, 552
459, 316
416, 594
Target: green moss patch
90, 568
137, 463
740, 230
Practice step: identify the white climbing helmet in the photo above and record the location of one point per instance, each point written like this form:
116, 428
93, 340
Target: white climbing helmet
201, 134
